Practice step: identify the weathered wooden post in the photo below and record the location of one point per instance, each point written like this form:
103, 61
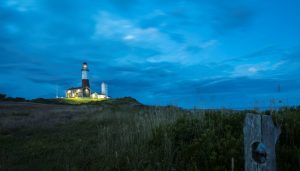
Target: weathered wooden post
232, 164
260, 136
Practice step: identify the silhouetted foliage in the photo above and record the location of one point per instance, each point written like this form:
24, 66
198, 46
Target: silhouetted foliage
2, 97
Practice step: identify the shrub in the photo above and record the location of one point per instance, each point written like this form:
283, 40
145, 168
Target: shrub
2, 97
206, 143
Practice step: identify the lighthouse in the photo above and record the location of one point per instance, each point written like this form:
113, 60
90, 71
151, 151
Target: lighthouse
85, 81
84, 91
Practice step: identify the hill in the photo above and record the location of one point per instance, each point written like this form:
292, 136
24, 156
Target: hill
123, 134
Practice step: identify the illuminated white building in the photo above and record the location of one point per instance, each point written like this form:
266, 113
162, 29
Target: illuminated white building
74, 92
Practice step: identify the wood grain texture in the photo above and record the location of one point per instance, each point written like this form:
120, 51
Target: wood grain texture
260, 128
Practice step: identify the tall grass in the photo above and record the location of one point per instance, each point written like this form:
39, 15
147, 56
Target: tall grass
120, 136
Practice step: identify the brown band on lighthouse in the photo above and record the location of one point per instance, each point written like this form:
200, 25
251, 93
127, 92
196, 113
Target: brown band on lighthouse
85, 83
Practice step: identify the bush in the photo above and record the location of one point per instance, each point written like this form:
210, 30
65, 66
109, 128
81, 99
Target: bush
288, 146
206, 143
13, 99
2, 97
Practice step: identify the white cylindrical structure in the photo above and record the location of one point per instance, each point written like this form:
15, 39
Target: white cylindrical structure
104, 89
84, 71
84, 75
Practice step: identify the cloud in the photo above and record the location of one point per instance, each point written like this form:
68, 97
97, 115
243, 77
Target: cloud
213, 18
269, 62
232, 17
150, 37
253, 69
125, 5
155, 51
232, 93
129, 37
208, 44
106, 25
21, 6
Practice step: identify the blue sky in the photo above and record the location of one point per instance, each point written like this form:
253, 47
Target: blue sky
190, 53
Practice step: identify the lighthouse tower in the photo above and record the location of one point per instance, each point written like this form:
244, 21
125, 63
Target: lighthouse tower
85, 81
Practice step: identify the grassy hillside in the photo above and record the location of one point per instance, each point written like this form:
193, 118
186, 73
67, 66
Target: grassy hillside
123, 134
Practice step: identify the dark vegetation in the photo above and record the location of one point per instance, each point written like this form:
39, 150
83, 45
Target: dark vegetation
14, 99
124, 100
122, 134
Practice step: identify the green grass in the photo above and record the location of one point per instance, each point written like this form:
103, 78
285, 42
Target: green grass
63, 101
81, 100
125, 137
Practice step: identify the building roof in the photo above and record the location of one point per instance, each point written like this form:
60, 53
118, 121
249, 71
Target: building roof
74, 88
